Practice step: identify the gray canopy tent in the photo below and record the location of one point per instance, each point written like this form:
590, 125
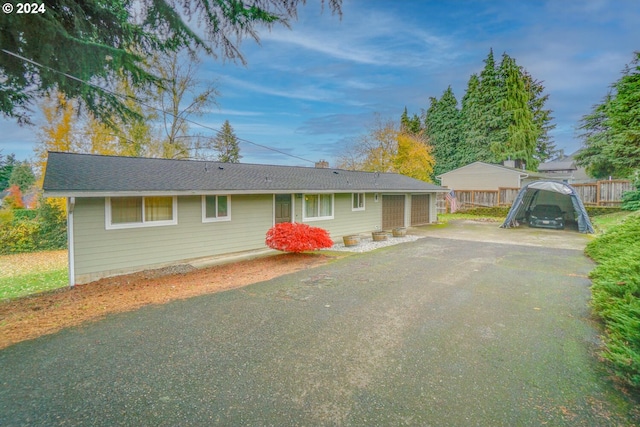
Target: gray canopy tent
548, 192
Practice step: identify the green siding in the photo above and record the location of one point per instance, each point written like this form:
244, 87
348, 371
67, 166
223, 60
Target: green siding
99, 251
345, 221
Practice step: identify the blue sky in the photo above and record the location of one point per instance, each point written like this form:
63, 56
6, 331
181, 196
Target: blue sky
311, 89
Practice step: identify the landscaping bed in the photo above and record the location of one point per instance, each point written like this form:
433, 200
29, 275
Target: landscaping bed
48, 312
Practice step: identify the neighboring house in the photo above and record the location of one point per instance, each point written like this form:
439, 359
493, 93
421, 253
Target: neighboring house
128, 214
483, 176
486, 184
565, 169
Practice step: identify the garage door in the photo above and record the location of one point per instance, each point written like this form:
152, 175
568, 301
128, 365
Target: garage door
420, 209
392, 212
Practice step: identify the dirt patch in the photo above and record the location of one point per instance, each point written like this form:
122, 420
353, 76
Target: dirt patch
46, 313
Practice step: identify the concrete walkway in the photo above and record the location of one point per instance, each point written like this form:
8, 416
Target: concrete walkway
437, 332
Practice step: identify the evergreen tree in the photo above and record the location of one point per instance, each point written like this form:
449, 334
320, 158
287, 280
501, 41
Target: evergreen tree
412, 125
492, 94
611, 133
474, 132
444, 131
519, 138
545, 148
504, 115
22, 176
97, 40
595, 135
6, 167
227, 145
623, 118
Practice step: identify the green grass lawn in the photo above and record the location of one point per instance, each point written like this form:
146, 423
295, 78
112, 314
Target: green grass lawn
602, 223
28, 284
27, 274
444, 218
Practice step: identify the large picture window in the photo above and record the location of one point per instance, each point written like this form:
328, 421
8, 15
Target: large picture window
130, 212
357, 202
216, 208
318, 206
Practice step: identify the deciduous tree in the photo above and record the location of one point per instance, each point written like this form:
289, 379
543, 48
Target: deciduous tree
386, 148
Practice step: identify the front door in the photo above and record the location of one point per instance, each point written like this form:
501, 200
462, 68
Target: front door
283, 208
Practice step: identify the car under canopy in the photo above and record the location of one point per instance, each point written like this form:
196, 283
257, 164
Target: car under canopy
548, 193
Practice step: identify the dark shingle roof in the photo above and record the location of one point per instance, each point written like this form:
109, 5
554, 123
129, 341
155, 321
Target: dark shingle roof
81, 174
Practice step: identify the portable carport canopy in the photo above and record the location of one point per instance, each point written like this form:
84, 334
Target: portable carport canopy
551, 192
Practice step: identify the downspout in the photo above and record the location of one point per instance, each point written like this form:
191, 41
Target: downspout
71, 204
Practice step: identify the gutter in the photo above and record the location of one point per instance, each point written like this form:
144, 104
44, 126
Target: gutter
71, 204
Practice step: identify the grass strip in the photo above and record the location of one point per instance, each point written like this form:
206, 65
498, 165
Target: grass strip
31, 283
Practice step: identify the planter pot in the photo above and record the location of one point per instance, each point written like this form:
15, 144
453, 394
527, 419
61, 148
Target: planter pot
353, 240
379, 236
399, 232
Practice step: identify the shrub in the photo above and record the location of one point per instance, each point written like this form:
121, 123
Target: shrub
25, 230
616, 296
20, 236
492, 211
53, 226
601, 210
631, 199
296, 237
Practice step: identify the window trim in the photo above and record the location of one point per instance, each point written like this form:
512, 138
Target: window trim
215, 219
306, 218
364, 201
144, 223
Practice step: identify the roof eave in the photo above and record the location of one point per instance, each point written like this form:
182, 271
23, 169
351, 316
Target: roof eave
107, 193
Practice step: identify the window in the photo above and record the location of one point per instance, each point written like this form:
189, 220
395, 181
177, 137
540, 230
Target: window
130, 212
358, 202
318, 206
216, 208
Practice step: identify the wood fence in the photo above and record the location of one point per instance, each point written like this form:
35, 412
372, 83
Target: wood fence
603, 193
469, 199
600, 193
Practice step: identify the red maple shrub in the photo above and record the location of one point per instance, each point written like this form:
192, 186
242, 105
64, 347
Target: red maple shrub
296, 237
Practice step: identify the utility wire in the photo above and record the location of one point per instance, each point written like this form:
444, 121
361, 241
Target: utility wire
217, 131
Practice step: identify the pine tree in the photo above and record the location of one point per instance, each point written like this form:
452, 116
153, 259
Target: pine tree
227, 145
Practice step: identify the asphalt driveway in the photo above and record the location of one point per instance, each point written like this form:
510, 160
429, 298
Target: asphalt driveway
437, 332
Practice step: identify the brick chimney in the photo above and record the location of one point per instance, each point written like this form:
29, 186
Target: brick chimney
322, 164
